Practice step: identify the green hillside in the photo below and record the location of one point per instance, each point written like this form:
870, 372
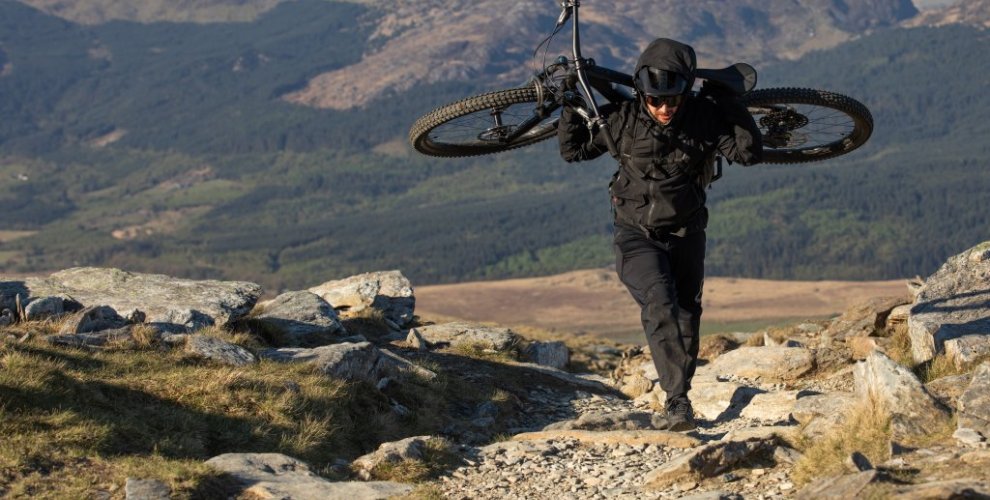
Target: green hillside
165, 147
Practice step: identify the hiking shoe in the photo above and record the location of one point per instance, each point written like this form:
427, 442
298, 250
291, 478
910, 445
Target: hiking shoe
680, 417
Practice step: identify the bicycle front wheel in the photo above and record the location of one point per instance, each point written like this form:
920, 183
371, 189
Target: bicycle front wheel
485, 124
805, 125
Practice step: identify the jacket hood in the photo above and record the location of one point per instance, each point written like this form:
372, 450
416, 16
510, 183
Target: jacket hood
669, 55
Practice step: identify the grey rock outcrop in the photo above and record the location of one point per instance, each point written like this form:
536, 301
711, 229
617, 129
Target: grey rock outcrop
146, 489
837, 488
164, 299
276, 476
913, 411
44, 307
968, 349
101, 338
387, 291
299, 319
774, 363
820, 413
954, 302
974, 403
411, 448
349, 361
92, 319
863, 320
218, 350
457, 334
955, 488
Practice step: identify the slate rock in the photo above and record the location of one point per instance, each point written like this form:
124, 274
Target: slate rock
968, 349
277, 476
769, 363
715, 400
552, 354
299, 319
946, 390
102, 338
387, 291
864, 319
219, 350
957, 488
611, 421
708, 461
359, 361
411, 448
459, 333
92, 319
146, 489
156, 295
842, 487
44, 307
974, 403
913, 411
953, 302
774, 406
820, 413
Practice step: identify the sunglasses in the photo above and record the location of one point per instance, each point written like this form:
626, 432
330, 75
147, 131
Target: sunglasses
672, 101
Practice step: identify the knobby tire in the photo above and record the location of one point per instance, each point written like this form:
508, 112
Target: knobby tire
824, 124
467, 127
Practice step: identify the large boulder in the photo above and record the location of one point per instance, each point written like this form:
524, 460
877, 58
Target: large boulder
163, 299
974, 403
461, 334
865, 319
350, 361
768, 363
299, 319
954, 302
413, 448
276, 476
219, 350
912, 410
387, 291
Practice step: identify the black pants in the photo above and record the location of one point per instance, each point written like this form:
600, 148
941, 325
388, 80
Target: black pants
665, 274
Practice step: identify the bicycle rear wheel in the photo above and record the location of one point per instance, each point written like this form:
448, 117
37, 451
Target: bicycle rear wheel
485, 124
805, 125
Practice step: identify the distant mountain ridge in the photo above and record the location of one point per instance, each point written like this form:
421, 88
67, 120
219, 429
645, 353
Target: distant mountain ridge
167, 147
416, 42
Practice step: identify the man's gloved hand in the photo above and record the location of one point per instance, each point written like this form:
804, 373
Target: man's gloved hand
717, 92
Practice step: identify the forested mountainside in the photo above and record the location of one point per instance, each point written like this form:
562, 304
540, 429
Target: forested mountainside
168, 147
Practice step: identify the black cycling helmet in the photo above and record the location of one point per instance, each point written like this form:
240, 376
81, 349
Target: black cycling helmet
665, 68
654, 82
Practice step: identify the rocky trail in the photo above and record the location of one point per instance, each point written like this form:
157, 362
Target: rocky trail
889, 400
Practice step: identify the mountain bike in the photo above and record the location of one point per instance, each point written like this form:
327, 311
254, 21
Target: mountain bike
798, 125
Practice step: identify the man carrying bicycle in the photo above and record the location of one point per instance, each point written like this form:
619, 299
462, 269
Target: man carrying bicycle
666, 143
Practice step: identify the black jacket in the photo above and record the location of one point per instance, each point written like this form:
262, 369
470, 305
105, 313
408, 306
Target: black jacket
657, 184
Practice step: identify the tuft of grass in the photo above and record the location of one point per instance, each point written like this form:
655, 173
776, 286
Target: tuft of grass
867, 430
899, 348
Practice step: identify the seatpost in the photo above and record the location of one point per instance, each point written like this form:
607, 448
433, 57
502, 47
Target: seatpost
579, 64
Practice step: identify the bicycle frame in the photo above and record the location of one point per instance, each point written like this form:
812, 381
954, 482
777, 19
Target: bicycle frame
588, 75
